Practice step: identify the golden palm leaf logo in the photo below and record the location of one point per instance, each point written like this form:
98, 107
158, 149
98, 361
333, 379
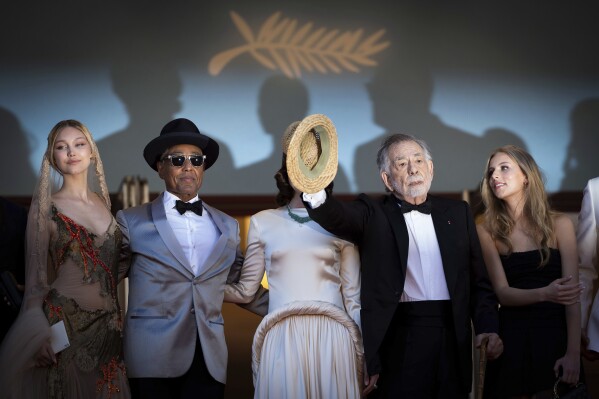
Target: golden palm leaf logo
281, 44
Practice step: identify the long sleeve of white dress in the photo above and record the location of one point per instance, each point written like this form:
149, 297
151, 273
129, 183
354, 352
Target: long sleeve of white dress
252, 270
303, 262
309, 344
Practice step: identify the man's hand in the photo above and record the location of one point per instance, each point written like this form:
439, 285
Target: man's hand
369, 383
494, 345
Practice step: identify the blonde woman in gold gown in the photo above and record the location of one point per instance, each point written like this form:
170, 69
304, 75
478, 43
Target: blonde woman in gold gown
72, 272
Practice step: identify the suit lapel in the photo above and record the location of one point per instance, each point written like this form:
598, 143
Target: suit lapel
219, 247
400, 230
444, 232
166, 233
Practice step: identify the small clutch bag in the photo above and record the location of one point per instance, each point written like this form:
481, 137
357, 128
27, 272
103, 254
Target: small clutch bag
565, 391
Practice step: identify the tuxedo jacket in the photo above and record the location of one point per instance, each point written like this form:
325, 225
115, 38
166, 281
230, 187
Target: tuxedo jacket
169, 307
379, 229
586, 237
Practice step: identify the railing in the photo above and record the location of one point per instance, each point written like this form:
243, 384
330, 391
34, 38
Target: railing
244, 205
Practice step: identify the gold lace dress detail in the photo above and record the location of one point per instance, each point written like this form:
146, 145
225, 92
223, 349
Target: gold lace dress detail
84, 296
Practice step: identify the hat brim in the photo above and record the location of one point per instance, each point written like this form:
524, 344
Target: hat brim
312, 180
160, 144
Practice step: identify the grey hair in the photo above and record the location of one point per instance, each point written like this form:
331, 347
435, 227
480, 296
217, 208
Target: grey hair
382, 156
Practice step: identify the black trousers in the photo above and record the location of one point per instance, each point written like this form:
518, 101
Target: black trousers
419, 354
195, 383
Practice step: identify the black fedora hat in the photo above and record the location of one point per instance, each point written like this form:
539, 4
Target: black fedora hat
180, 131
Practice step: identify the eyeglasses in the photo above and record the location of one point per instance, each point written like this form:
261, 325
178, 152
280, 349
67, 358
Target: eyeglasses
179, 160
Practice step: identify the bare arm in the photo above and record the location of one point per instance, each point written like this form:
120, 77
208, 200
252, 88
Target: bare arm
125, 250
563, 290
566, 243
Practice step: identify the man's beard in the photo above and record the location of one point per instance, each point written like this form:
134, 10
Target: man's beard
413, 191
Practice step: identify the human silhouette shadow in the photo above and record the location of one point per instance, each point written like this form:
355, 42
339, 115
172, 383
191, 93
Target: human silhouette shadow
494, 138
16, 174
150, 93
401, 92
281, 101
581, 163
495, 134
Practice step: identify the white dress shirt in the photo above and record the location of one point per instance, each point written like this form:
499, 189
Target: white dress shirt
425, 278
196, 234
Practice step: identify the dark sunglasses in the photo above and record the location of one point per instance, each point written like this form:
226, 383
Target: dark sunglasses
179, 160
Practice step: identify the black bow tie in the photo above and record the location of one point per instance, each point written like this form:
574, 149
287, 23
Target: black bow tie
425, 207
195, 207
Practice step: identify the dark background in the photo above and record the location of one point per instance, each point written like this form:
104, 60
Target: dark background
465, 76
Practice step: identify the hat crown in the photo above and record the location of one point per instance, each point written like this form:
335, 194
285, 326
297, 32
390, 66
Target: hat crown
176, 132
311, 149
286, 139
179, 125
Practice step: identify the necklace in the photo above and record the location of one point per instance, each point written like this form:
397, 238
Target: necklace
299, 219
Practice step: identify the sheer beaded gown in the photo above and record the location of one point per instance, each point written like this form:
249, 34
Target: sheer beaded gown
309, 344
83, 273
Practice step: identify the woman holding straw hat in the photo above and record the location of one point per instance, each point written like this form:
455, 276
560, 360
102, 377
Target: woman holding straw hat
309, 344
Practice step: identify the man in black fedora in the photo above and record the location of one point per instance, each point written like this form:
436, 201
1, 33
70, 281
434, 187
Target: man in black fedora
181, 253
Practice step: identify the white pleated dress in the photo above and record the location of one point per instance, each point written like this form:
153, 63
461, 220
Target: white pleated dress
309, 344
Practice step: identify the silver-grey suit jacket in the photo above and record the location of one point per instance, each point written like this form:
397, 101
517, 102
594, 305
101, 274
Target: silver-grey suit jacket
167, 303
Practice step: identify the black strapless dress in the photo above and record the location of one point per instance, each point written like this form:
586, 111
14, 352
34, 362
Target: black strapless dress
534, 336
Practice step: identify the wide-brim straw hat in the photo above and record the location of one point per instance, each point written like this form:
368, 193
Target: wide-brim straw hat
311, 148
180, 131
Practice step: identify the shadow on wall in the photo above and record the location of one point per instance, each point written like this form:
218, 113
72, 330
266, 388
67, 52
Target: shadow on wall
150, 93
581, 163
474, 196
401, 93
13, 139
281, 101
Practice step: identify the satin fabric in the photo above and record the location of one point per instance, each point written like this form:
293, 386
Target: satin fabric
170, 307
303, 355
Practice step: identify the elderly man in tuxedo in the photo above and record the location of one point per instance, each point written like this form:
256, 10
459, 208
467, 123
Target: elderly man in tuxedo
181, 253
423, 278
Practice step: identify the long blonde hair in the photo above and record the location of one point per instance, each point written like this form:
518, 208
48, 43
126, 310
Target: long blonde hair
38, 229
96, 180
536, 211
